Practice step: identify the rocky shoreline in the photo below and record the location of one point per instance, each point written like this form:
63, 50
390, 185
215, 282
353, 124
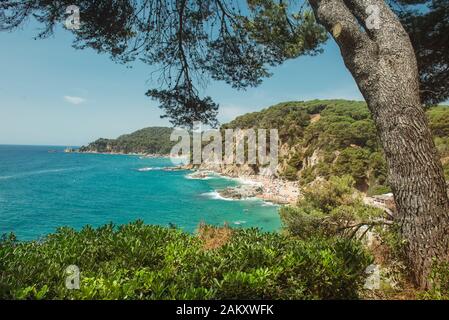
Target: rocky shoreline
271, 189
254, 186
241, 192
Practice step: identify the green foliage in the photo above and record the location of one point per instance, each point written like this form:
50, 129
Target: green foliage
442, 144
439, 121
295, 161
153, 140
327, 195
340, 134
138, 261
343, 125
446, 170
378, 190
345, 137
353, 161
428, 31
327, 209
290, 118
290, 173
378, 169
396, 244
286, 36
440, 282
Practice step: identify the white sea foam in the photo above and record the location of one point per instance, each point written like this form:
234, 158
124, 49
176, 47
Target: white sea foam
249, 182
245, 181
253, 199
216, 196
203, 175
197, 178
150, 169
269, 204
239, 222
38, 172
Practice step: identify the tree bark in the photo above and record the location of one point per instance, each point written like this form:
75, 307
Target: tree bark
383, 63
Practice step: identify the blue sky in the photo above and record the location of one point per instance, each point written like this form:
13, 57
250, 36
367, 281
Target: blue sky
52, 94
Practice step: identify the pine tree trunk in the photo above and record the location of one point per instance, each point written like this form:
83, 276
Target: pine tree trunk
383, 63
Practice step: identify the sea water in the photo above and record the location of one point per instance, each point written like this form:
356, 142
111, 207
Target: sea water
43, 188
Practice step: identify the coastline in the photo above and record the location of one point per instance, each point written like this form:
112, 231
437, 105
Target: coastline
268, 189
274, 190
146, 155
134, 154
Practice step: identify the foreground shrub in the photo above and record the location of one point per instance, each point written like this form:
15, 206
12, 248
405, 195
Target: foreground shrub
138, 261
330, 208
440, 282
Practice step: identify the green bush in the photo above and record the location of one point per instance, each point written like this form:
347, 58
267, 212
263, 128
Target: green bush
353, 162
446, 170
296, 161
307, 175
378, 190
442, 144
439, 120
138, 261
290, 173
327, 208
440, 283
328, 194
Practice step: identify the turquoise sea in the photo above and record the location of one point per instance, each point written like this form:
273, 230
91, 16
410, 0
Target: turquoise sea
42, 190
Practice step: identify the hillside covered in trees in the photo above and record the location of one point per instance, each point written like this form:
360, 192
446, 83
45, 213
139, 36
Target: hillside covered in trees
319, 138
324, 138
152, 140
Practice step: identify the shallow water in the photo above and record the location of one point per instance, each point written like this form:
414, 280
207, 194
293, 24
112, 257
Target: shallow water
40, 191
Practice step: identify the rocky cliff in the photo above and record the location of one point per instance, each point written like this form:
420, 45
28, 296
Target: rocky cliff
322, 138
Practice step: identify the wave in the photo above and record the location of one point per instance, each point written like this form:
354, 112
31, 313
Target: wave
150, 169
198, 178
249, 182
269, 204
242, 181
34, 173
239, 222
216, 196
